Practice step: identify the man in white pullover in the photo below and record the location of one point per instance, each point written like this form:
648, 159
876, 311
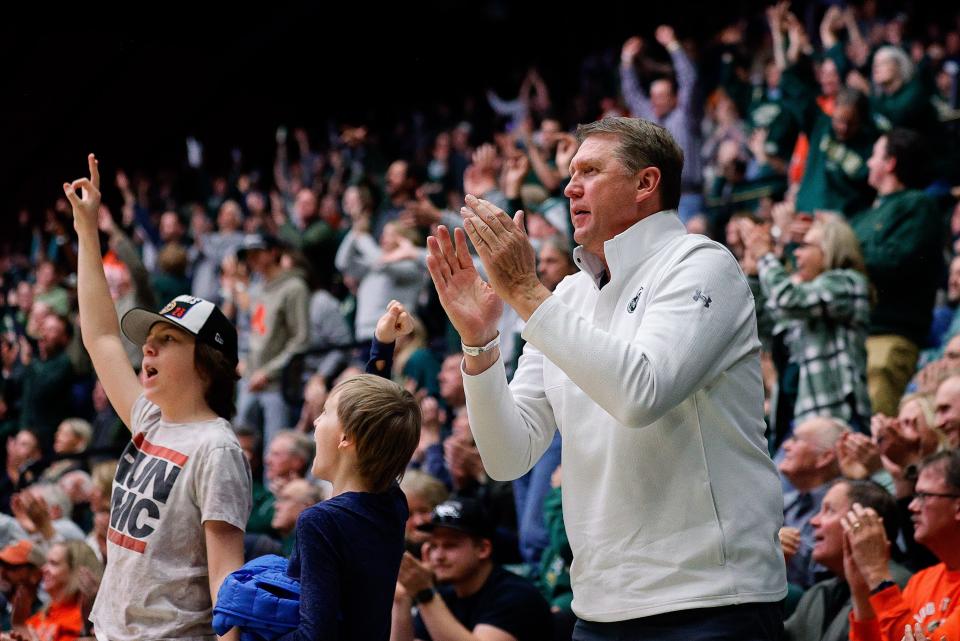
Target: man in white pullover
647, 361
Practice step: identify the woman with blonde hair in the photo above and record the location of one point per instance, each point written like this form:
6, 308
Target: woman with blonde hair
823, 311
909, 437
414, 361
71, 575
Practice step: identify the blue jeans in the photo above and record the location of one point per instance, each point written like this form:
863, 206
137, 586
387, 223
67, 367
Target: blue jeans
529, 491
266, 411
747, 622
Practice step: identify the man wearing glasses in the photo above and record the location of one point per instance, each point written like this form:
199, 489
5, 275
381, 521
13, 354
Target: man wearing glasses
880, 609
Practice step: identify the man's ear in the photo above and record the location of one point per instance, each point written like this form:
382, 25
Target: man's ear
648, 182
827, 458
891, 164
484, 548
345, 441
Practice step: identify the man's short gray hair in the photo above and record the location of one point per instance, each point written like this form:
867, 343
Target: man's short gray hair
54, 497
643, 144
828, 431
301, 445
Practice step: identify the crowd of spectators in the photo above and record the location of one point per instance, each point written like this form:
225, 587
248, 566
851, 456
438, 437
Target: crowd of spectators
820, 148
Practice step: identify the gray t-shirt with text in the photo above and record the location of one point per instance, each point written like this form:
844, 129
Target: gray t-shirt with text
170, 480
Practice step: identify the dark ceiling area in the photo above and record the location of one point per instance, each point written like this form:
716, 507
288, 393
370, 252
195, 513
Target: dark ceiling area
132, 86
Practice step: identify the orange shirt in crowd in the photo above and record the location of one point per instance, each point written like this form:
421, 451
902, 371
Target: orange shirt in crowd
60, 622
798, 160
929, 598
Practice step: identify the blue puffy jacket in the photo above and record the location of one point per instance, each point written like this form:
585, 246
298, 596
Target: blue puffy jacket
260, 599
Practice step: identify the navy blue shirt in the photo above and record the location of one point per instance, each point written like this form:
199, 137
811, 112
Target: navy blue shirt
347, 558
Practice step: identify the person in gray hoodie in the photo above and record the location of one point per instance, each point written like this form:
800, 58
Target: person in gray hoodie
279, 329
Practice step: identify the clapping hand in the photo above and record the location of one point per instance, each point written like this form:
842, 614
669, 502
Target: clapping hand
894, 443
516, 170
471, 303
507, 255
31, 512
757, 242
868, 545
420, 212
414, 576
857, 455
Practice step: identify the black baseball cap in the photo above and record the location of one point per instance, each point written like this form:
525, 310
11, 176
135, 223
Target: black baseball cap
196, 316
256, 241
464, 514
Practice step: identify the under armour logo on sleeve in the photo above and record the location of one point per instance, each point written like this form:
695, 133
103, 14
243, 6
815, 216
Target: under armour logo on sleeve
700, 296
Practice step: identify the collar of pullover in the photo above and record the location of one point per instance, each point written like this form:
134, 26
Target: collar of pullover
631, 247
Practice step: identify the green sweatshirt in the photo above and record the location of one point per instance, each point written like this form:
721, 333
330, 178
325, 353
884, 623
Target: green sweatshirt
46, 393
901, 238
761, 111
910, 106
835, 178
554, 581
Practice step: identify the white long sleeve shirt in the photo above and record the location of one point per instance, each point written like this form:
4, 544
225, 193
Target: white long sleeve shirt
670, 499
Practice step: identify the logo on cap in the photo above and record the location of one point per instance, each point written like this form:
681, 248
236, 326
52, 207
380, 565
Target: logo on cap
178, 307
448, 510
217, 337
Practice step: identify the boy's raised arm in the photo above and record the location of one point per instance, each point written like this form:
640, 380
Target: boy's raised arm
100, 327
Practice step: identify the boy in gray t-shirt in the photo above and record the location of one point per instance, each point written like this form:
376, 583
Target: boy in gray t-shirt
170, 480
182, 492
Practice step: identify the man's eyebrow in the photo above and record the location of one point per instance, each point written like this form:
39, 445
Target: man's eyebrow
584, 162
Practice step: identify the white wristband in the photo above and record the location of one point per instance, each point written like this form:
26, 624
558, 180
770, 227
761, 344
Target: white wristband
476, 351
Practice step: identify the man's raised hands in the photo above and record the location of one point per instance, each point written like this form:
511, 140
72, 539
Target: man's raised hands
471, 303
507, 255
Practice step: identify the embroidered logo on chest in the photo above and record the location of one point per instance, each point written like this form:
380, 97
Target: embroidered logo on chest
632, 305
700, 296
